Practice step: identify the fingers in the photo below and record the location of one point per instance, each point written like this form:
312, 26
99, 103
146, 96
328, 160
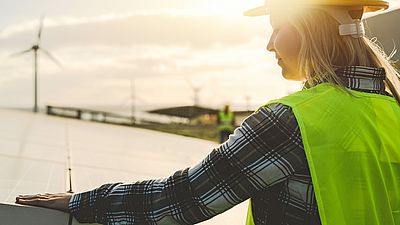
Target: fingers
29, 200
54, 201
37, 196
41, 196
34, 201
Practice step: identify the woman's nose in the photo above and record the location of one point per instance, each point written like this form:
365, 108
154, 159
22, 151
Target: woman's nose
270, 45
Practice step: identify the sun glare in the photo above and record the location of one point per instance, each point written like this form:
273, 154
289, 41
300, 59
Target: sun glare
236, 8
225, 7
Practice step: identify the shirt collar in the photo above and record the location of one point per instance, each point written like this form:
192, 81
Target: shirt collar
361, 78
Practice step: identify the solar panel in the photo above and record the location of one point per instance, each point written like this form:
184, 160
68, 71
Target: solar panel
34, 159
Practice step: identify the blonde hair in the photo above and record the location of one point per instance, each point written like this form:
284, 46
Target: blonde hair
323, 49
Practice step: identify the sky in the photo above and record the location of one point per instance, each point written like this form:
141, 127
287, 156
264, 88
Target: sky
158, 51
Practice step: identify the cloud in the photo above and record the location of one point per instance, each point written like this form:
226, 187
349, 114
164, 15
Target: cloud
128, 30
101, 75
162, 52
32, 25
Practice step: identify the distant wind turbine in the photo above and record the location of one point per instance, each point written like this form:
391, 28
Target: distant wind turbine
35, 48
196, 90
248, 102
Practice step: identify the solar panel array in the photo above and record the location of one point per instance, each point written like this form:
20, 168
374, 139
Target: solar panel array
37, 150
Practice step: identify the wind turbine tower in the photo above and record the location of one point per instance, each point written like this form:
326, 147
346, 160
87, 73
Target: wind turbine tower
196, 90
36, 48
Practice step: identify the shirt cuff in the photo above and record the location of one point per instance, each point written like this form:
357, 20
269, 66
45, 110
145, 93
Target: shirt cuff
81, 206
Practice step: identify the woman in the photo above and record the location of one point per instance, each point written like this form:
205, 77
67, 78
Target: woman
326, 155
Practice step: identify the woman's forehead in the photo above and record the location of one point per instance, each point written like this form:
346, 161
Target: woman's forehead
282, 14
277, 19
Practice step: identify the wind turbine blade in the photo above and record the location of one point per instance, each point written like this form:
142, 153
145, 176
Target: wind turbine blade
201, 86
190, 83
51, 56
21, 53
40, 29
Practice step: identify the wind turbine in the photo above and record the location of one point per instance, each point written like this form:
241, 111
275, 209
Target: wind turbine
35, 48
248, 102
196, 90
132, 100
133, 105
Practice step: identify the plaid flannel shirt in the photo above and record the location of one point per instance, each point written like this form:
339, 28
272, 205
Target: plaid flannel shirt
264, 160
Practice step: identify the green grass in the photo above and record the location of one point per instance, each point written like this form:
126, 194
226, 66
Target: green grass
206, 132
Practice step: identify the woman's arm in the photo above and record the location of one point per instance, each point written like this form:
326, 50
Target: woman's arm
258, 155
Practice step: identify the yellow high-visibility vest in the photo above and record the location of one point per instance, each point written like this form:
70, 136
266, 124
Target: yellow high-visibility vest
225, 121
352, 144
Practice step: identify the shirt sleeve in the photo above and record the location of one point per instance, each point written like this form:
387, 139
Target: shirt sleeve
261, 152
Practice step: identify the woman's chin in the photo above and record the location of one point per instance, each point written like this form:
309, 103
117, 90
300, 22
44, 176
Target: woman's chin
291, 76
288, 76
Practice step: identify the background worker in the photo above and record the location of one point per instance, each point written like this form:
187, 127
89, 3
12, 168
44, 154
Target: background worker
226, 123
328, 154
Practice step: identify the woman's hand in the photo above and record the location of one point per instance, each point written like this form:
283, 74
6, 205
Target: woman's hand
52, 201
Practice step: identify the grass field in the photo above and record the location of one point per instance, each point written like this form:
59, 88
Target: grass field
206, 132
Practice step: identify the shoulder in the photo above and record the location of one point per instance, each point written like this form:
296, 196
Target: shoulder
317, 93
271, 115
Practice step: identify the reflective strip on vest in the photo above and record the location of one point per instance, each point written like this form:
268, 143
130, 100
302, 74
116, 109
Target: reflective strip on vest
352, 145
225, 121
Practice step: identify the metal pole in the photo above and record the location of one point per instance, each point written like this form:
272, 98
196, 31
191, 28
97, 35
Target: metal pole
67, 147
35, 107
133, 102
69, 167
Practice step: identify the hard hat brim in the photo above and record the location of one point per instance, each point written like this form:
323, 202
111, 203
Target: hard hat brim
259, 11
369, 6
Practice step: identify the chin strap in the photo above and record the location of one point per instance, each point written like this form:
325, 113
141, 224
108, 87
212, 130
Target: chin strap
355, 29
349, 18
